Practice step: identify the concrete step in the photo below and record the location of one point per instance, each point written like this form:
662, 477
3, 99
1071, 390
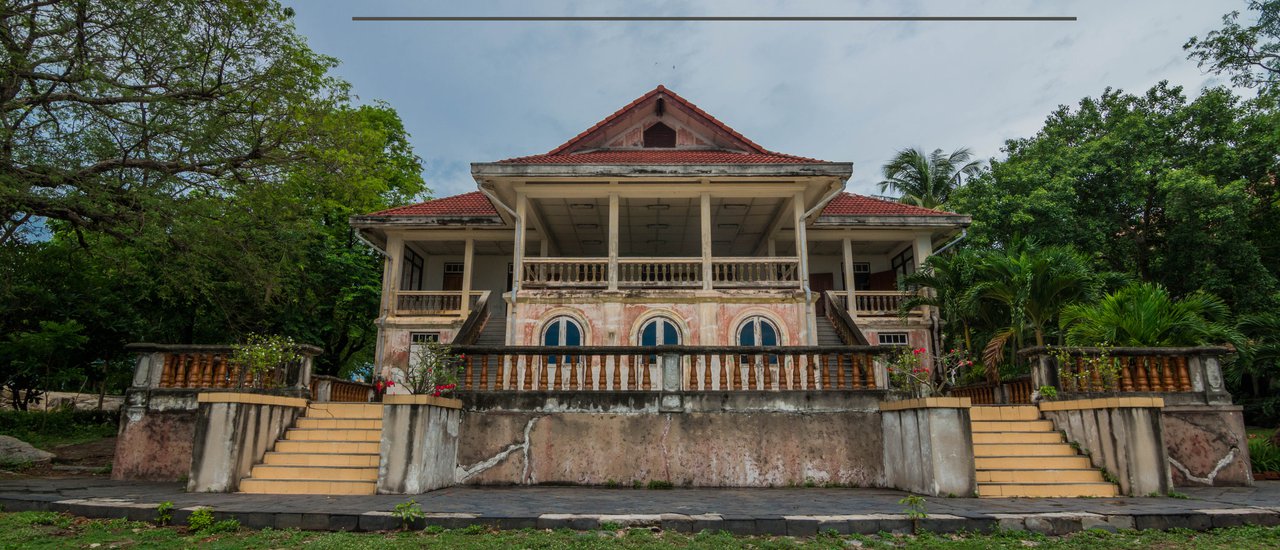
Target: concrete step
321, 459
1012, 426
340, 423
1018, 437
1022, 449
306, 487
315, 473
323, 447
1046, 490
1040, 476
345, 410
1020, 462
1004, 412
324, 434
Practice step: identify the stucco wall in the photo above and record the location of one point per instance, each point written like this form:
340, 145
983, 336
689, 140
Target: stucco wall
1207, 445
929, 449
419, 445
234, 433
1127, 440
726, 449
157, 429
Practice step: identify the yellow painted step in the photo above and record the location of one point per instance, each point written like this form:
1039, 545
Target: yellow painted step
1013, 426
267, 471
1043, 490
313, 434
1017, 437
336, 447
1031, 463
339, 423
1038, 476
345, 410
1023, 450
320, 459
1004, 412
290, 487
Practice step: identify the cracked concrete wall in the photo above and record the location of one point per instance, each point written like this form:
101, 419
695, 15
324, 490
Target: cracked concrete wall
929, 451
1207, 446
419, 448
740, 449
230, 438
157, 432
1127, 441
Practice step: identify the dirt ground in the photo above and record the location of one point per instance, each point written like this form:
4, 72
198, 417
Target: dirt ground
92, 458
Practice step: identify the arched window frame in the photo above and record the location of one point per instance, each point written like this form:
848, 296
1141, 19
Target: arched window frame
757, 324
562, 324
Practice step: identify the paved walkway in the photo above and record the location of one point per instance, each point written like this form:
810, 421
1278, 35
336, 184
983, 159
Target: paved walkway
799, 511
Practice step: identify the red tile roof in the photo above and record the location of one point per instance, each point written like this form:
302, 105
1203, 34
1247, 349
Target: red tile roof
663, 156
850, 204
753, 154
466, 204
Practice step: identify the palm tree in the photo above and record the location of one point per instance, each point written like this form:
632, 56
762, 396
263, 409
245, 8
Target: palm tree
1033, 285
1144, 314
950, 278
927, 179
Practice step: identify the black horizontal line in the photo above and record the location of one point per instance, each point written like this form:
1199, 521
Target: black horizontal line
798, 18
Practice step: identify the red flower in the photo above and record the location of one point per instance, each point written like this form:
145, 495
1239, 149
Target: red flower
917, 351
390, 383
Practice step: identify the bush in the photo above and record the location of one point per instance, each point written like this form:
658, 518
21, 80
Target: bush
200, 520
44, 429
1265, 456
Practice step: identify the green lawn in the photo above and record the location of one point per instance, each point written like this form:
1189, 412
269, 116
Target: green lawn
49, 530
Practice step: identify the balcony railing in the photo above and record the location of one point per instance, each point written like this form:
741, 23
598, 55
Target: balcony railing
872, 303
1185, 375
594, 273
688, 368
210, 367
434, 302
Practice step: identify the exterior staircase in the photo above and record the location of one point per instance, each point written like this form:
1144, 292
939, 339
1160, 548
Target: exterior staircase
827, 335
332, 451
1018, 454
495, 331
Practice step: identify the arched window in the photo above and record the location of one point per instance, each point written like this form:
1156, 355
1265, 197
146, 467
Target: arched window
561, 331
757, 331
659, 331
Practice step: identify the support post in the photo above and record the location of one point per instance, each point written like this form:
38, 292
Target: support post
846, 251
613, 241
468, 257
391, 280
706, 241
802, 256
517, 264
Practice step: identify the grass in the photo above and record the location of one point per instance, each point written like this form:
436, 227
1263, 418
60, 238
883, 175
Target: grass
50, 530
46, 430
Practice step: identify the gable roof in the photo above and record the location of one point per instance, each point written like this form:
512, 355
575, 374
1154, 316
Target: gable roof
474, 203
852, 204
707, 141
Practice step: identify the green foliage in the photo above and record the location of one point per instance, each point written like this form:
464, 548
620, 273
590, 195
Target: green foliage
264, 353
1144, 314
927, 179
407, 513
164, 513
915, 507
201, 520
1264, 455
1048, 393
433, 369
58, 426
660, 484
1250, 53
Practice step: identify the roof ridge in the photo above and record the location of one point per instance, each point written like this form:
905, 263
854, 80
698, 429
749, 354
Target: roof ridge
674, 96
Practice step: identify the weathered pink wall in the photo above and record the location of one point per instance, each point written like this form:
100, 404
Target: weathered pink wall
617, 324
155, 446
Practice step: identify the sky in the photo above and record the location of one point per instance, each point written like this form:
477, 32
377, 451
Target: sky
839, 91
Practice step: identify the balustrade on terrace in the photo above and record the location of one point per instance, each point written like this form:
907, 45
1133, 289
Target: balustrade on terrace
594, 273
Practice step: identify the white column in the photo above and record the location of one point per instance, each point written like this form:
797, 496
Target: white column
468, 257
613, 241
847, 253
391, 279
773, 248
517, 264
544, 247
922, 248
706, 241
802, 254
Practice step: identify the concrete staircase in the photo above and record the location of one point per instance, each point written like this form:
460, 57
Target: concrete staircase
1018, 454
495, 330
332, 451
827, 335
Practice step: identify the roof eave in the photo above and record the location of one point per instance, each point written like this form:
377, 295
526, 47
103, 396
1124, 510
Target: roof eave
369, 221
942, 220
504, 169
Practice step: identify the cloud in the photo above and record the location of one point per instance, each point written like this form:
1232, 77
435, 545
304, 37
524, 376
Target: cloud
855, 92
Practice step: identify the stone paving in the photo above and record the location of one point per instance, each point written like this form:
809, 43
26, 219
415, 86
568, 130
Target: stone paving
792, 511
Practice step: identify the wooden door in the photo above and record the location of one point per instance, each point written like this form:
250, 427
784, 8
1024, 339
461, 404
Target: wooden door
820, 283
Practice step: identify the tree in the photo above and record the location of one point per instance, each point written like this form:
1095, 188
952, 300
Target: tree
1250, 53
114, 111
1145, 315
927, 179
949, 278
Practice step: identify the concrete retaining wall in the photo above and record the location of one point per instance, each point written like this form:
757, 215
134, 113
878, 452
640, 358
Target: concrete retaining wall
1207, 445
157, 428
233, 432
928, 446
1123, 435
419, 449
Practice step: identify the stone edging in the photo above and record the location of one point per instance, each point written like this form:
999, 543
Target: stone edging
1103, 403
411, 399
927, 403
251, 399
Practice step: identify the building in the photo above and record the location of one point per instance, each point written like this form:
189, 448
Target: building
659, 225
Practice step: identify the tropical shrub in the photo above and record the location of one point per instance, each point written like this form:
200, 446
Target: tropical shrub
262, 353
1144, 314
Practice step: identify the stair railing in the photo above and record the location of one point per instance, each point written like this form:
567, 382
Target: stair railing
846, 328
474, 323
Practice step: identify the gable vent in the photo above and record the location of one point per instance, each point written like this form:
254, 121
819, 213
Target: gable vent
659, 135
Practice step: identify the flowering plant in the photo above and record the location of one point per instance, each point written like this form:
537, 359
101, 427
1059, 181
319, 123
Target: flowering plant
261, 354
433, 369
921, 374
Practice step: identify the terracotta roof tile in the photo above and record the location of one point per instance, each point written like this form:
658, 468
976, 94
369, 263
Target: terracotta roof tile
466, 204
850, 204
663, 156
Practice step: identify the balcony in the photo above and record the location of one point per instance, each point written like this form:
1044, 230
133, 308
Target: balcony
661, 273
435, 303
876, 303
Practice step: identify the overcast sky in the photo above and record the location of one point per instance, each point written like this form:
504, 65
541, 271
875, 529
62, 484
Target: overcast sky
857, 92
